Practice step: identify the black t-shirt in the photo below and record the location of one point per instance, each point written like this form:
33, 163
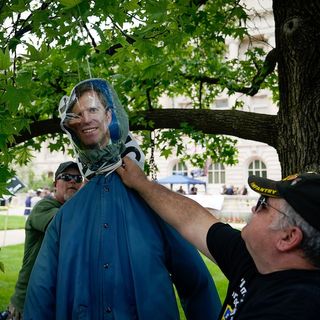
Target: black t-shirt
285, 295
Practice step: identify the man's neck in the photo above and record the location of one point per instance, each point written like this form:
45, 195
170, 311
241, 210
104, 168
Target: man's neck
283, 262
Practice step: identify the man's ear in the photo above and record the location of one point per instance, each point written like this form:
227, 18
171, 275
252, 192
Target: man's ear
290, 239
109, 115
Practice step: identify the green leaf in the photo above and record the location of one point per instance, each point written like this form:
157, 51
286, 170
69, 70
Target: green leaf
15, 96
23, 156
166, 153
5, 62
70, 3
19, 6
131, 5
37, 54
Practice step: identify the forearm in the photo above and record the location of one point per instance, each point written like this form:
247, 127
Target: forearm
173, 207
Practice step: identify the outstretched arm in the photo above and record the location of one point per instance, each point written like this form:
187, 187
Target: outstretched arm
185, 215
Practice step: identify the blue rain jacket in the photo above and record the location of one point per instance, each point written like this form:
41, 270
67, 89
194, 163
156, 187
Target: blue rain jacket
107, 255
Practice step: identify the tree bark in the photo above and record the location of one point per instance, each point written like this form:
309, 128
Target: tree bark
297, 31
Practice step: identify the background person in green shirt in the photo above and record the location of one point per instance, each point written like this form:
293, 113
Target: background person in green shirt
68, 181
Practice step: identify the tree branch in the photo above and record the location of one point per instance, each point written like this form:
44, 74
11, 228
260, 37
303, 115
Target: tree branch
150, 107
94, 44
245, 125
18, 34
267, 68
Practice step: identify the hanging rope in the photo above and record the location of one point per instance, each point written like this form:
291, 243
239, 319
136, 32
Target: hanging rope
82, 27
152, 164
89, 69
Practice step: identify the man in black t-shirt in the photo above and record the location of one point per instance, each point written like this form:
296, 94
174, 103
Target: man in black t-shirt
273, 264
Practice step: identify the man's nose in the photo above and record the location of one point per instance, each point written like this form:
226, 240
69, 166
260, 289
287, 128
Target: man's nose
86, 117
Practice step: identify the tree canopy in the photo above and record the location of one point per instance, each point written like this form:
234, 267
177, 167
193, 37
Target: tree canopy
148, 49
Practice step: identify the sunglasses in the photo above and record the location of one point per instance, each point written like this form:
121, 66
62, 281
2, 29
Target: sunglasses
262, 204
77, 178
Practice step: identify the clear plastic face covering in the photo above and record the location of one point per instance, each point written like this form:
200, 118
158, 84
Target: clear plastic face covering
96, 124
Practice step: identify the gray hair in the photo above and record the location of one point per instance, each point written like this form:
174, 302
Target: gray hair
310, 243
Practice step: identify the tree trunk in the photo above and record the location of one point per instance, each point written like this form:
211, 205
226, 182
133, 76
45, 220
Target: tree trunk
297, 31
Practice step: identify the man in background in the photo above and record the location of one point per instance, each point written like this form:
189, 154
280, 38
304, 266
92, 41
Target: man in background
68, 181
36, 198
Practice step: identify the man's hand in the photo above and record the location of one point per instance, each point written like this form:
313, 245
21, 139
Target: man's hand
14, 313
130, 173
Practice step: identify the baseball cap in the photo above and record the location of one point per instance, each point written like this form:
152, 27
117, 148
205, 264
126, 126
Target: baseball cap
301, 191
64, 166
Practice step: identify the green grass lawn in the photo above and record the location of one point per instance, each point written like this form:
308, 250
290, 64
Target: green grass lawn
11, 256
10, 222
